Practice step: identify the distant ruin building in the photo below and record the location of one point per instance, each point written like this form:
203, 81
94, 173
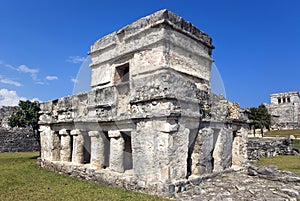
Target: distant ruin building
150, 122
285, 110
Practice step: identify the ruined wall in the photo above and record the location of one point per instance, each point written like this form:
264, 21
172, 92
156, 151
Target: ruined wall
268, 147
17, 140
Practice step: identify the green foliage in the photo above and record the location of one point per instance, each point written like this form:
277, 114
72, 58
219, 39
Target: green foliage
22, 179
260, 118
27, 114
296, 144
283, 133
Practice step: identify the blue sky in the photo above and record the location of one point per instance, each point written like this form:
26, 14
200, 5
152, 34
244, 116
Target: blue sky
44, 43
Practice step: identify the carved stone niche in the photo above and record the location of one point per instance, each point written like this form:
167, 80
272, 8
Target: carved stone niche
82, 102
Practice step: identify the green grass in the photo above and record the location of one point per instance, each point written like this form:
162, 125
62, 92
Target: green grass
287, 163
296, 144
283, 133
21, 179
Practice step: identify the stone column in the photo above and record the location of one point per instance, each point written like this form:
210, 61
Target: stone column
202, 155
44, 141
97, 149
239, 149
222, 153
77, 155
116, 159
65, 151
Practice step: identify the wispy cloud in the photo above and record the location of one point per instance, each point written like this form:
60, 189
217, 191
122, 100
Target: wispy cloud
74, 80
36, 99
9, 98
10, 82
22, 68
75, 59
9, 66
50, 77
33, 72
40, 83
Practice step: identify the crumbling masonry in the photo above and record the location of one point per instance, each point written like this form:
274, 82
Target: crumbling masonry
149, 123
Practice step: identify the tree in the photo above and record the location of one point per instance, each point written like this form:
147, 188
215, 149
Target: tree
260, 118
27, 114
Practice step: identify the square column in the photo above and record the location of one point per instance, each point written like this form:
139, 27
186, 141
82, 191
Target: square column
65, 151
239, 149
77, 155
222, 153
116, 159
97, 149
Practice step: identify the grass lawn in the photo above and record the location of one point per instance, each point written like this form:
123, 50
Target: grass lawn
283, 133
296, 144
288, 163
21, 179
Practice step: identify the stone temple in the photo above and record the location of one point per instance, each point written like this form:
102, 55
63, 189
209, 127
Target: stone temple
285, 110
150, 122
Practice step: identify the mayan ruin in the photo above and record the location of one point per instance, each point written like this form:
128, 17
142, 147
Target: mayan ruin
285, 110
150, 122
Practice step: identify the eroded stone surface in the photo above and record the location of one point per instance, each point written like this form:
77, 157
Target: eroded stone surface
239, 185
269, 147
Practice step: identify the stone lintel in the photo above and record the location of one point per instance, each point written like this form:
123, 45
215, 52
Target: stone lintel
75, 132
63, 132
114, 134
94, 133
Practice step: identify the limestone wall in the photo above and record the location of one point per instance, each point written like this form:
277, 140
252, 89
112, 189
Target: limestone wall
17, 140
268, 147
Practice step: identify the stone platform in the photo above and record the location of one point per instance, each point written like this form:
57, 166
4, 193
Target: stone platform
245, 185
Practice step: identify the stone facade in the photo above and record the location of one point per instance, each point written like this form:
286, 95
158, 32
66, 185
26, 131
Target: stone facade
285, 110
15, 139
150, 122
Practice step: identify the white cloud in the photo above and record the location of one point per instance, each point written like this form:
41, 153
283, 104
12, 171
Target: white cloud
9, 66
35, 99
9, 98
10, 82
49, 77
40, 83
22, 68
31, 71
25, 69
75, 59
74, 80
